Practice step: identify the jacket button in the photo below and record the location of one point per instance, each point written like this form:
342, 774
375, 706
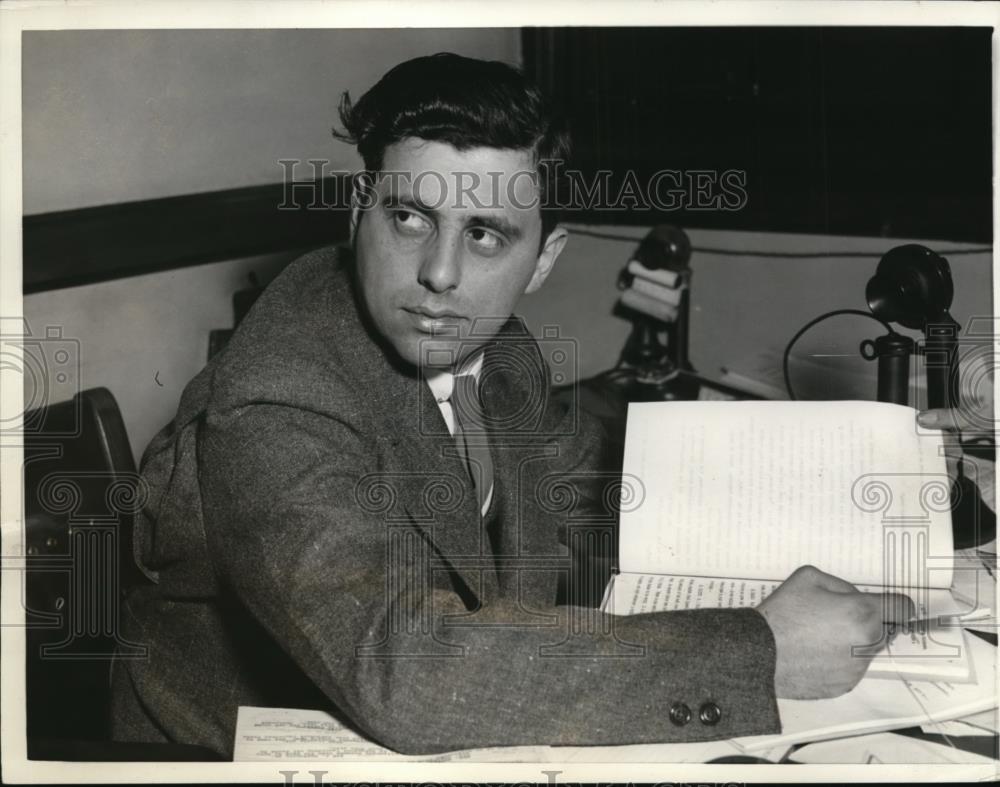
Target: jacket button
709, 714
680, 714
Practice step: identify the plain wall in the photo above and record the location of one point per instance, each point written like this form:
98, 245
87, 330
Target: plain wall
145, 337
119, 115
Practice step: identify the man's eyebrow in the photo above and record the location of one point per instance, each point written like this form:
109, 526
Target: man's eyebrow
496, 223
406, 201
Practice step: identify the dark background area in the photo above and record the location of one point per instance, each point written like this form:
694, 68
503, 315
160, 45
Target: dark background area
843, 131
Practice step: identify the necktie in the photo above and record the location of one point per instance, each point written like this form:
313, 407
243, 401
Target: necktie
471, 435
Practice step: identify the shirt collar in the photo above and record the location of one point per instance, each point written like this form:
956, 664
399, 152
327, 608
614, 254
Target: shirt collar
442, 381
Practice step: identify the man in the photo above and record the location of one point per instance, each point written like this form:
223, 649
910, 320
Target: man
363, 504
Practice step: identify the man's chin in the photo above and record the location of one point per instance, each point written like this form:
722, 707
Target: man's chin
430, 352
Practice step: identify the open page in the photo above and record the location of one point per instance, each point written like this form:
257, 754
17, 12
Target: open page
757, 489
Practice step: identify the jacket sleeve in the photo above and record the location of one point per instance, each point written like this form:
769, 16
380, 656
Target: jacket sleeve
287, 534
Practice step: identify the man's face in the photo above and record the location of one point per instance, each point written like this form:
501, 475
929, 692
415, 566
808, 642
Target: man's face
450, 247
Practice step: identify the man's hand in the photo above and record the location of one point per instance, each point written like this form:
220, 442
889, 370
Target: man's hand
817, 620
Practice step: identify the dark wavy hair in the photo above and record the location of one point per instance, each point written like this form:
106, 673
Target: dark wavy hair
465, 103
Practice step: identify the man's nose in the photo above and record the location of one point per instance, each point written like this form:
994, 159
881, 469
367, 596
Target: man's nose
440, 269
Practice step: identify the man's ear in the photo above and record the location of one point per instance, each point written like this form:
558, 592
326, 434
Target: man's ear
362, 195
553, 247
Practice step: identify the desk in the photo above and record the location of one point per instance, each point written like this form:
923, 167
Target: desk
608, 401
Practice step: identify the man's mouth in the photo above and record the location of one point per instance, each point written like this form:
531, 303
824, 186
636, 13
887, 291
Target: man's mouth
435, 321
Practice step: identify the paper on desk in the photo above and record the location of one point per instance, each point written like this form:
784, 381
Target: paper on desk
881, 704
974, 581
954, 728
275, 734
950, 728
885, 747
987, 720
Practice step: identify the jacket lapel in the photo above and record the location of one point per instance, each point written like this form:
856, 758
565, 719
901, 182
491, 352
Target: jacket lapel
515, 398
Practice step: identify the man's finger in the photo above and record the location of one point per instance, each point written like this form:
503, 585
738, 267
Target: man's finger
897, 608
939, 418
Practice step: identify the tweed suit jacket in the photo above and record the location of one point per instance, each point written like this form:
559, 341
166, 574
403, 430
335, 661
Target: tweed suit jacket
314, 541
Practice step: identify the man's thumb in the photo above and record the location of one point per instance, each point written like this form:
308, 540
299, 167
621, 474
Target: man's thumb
940, 418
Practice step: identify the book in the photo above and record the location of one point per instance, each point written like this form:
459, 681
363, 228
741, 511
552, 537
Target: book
737, 495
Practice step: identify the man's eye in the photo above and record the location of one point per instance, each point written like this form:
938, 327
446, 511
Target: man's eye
485, 241
410, 222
